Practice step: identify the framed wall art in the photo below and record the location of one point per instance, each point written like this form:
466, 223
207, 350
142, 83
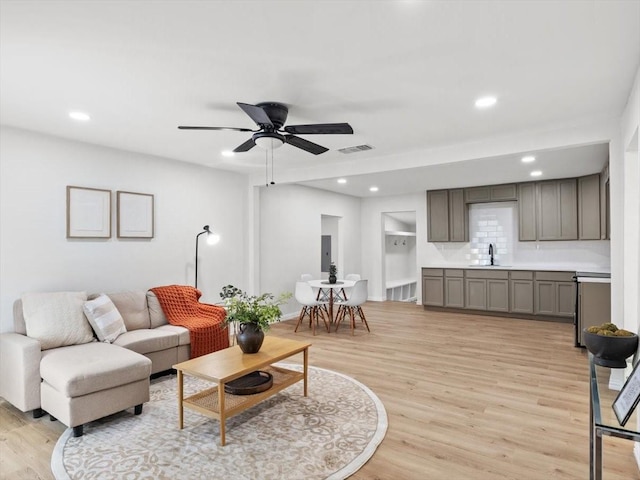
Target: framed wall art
88, 212
628, 398
135, 215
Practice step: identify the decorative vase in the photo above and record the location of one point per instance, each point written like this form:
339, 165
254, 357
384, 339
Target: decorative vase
249, 337
332, 279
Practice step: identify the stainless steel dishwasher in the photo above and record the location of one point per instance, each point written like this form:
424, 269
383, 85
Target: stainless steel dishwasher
593, 302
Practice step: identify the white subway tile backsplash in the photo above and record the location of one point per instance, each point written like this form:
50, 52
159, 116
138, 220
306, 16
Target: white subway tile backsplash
492, 223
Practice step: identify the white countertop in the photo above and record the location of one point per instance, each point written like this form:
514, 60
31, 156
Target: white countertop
541, 267
593, 280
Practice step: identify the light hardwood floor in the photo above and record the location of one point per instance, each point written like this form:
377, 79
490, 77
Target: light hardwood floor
467, 397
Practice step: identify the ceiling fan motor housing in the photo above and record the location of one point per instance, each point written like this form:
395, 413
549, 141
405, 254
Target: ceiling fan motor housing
277, 112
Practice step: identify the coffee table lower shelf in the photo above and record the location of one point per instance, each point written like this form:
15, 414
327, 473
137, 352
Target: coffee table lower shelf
207, 401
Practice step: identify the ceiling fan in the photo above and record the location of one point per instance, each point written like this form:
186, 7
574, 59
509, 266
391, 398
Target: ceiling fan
271, 117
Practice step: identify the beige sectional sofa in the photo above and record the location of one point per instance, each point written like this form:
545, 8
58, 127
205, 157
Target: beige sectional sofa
79, 379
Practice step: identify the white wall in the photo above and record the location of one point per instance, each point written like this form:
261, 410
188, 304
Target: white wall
36, 256
289, 235
628, 219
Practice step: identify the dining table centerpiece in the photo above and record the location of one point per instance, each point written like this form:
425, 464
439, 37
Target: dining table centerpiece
333, 273
253, 313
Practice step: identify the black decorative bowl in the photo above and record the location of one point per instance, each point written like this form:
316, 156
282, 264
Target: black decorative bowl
610, 351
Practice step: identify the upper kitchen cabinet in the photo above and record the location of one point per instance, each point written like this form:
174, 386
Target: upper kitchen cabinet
589, 207
447, 216
491, 193
557, 210
458, 217
438, 216
527, 211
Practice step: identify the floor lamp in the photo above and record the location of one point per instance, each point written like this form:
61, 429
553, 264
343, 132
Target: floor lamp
212, 239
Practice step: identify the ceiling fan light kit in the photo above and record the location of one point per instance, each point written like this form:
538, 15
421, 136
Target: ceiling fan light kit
270, 118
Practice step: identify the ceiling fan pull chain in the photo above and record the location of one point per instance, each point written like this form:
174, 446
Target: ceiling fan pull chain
272, 182
266, 168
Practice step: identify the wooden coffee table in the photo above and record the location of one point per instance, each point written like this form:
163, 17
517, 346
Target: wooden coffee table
226, 365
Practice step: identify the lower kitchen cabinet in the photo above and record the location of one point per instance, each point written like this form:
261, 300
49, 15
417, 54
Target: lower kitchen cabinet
476, 293
521, 295
433, 287
554, 294
487, 290
454, 288
529, 293
498, 295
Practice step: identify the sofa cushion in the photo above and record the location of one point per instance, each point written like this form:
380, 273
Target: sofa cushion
133, 308
104, 317
82, 369
156, 314
56, 319
182, 333
147, 341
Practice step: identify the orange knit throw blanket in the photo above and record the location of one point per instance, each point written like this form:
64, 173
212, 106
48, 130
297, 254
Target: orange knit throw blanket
181, 306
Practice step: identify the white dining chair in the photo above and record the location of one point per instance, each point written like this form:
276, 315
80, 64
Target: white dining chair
352, 305
311, 307
345, 292
305, 277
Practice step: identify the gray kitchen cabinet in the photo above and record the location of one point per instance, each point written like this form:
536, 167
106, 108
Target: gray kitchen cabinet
565, 298
521, 292
594, 306
497, 295
554, 294
589, 207
527, 211
438, 215
545, 297
491, 193
475, 293
487, 290
447, 216
557, 210
458, 216
454, 288
433, 287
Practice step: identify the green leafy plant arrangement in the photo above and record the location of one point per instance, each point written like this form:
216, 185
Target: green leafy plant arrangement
262, 310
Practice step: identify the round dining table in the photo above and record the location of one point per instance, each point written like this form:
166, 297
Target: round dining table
332, 290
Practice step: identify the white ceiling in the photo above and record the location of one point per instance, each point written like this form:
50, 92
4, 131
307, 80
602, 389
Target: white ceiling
404, 74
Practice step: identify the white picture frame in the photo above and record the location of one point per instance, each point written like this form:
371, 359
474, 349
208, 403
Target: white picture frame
135, 215
88, 212
629, 397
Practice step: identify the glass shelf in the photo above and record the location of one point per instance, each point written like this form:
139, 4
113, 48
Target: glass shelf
602, 417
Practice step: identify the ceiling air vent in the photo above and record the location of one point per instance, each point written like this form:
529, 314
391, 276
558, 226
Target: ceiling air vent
357, 148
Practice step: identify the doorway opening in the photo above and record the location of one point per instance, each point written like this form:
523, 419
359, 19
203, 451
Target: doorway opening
400, 270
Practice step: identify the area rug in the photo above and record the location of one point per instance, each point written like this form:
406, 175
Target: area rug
328, 435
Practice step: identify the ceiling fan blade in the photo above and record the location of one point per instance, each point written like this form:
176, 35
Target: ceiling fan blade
320, 128
256, 113
305, 145
246, 146
183, 127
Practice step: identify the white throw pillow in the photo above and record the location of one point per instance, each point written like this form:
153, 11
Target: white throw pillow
105, 318
56, 319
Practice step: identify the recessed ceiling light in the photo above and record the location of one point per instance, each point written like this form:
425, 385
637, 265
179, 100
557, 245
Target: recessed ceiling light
80, 116
373, 189
342, 180
528, 159
536, 173
486, 102
227, 153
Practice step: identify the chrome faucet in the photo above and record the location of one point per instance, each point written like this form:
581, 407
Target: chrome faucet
491, 253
